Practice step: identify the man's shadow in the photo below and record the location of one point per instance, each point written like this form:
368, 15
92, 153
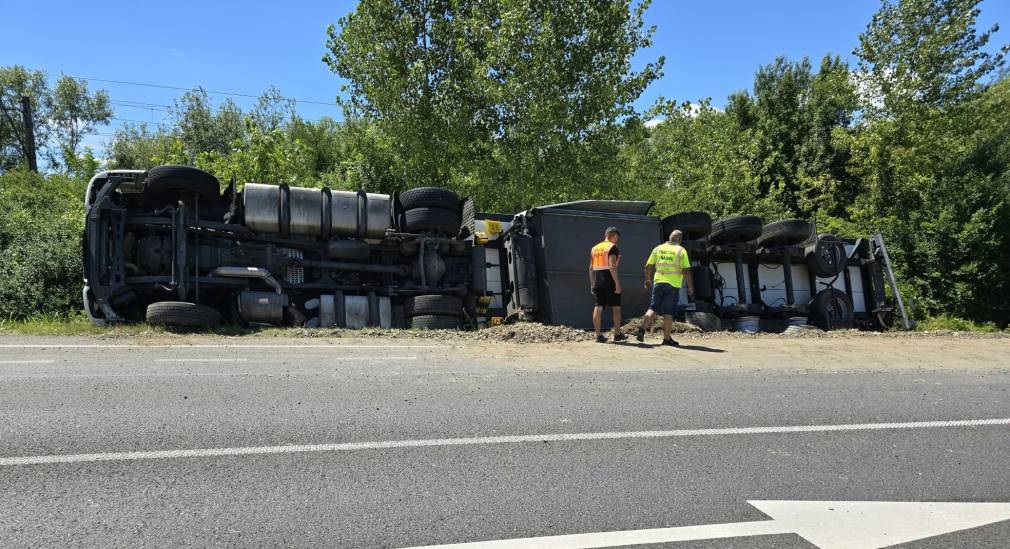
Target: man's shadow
701, 348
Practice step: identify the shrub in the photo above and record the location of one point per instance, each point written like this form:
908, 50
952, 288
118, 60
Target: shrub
41, 220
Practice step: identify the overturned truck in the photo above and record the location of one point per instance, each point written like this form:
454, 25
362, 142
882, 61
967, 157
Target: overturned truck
168, 246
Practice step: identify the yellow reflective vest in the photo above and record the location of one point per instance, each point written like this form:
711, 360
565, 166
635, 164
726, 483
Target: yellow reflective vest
670, 260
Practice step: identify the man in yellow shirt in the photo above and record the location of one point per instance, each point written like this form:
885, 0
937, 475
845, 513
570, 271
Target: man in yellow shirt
665, 271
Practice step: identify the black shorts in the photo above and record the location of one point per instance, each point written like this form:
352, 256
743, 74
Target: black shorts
606, 296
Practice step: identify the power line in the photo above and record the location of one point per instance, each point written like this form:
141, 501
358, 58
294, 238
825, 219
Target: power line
167, 87
139, 105
136, 121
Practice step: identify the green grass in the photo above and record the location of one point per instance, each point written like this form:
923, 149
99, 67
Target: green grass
57, 325
955, 324
77, 324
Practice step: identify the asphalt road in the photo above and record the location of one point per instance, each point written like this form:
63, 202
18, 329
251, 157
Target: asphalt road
249, 416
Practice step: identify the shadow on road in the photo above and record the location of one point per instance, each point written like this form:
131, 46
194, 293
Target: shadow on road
701, 348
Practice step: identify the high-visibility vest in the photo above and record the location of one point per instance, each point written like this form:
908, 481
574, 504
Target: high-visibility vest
668, 260
600, 255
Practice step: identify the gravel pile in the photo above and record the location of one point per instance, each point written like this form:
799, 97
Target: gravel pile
634, 324
520, 332
530, 332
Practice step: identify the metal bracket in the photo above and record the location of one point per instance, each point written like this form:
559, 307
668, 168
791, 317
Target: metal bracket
878, 239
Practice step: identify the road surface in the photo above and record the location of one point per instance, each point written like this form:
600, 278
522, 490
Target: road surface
396, 443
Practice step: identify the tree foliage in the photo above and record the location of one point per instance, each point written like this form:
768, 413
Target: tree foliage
62, 116
521, 99
924, 53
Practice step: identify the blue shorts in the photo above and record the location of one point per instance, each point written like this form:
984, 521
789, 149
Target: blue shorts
664, 299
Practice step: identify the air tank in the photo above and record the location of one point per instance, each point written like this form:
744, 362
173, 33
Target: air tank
284, 210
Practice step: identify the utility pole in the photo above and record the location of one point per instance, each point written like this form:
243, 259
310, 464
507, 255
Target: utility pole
26, 118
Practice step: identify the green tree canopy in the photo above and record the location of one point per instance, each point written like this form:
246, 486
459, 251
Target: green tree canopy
62, 116
924, 53
526, 97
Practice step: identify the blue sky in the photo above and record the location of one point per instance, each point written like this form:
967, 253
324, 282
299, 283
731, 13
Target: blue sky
712, 48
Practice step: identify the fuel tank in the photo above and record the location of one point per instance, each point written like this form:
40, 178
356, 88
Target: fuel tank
284, 210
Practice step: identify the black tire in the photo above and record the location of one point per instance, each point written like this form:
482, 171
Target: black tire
435, 322
443, 305
831, 308
787, 232
694, 225
741, 228
429, 197
181, 313
164, 183
438, 220
708, 322
827, 258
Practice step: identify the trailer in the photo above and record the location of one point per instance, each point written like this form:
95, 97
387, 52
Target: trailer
748, 276
167, 246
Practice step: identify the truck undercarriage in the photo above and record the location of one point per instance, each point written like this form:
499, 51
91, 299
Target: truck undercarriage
168, 247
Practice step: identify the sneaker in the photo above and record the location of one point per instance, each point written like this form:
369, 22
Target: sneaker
601, 339
640, 334
620, 337
671, 343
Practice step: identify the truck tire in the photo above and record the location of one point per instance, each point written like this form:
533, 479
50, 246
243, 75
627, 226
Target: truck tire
429, 197
740, 228
827, 258
435, 322
439, 220
831, 308
165, 183
442, 305
787, 232
694, 225
181, 313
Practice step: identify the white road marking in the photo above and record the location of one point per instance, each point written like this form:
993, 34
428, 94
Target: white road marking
201, 360
27, 361
214, 346
826, 524
341, 358
471, 441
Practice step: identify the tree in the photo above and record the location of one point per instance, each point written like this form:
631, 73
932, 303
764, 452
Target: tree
526, 97
797, 120
924, 53
74, 113
62, 116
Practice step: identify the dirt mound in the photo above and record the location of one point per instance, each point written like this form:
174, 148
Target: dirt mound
530, 332
632, 325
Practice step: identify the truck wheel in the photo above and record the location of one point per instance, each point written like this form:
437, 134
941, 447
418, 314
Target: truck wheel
164, 184
827, 258
831, 308
423, 305
181, 313
429, 197
694, 225
741, 228
787, 232
439, 220
435, 322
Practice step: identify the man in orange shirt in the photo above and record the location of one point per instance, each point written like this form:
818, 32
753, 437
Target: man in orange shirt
604, 283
